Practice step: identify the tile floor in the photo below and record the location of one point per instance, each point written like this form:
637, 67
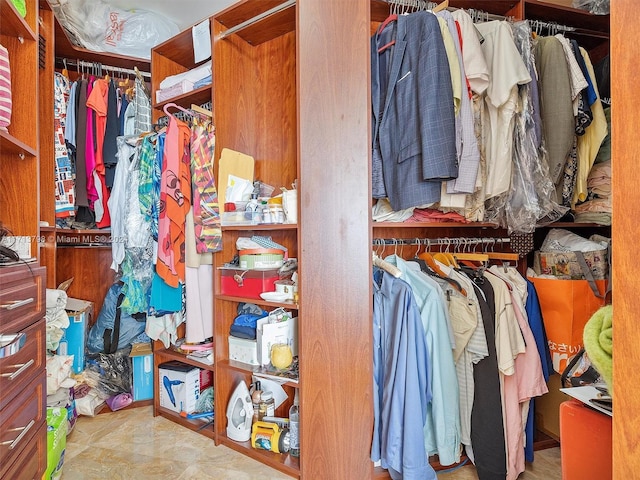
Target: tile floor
132, 444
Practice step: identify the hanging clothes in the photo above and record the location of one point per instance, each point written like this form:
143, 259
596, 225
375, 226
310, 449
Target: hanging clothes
527, 380
401, 381
64, 183
413, 116
442, 427
175, 202
206, 211
556, 105
507, 72
487, 450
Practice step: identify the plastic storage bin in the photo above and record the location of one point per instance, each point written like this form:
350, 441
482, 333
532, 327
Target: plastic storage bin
240, 282
585, 437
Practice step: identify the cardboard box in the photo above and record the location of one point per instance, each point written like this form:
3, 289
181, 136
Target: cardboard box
142, 371
243, 350
268, 334
74, 337
206, 379
56, 442
547, 408
179, 386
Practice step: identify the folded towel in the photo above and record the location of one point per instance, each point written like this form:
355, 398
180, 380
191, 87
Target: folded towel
598, 342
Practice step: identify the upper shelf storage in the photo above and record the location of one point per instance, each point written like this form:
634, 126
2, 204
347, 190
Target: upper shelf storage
13, 24
65, 49
258, 21
571, 17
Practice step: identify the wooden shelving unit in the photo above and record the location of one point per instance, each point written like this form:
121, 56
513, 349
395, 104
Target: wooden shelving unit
300, 108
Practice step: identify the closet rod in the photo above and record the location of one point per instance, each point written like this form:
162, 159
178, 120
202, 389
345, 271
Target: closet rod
451, 241
257, 18
81, 63
422, 5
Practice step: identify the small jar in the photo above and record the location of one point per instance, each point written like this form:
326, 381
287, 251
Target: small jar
267, 405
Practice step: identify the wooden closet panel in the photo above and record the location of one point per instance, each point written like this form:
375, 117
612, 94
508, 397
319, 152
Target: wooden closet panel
625, 69
275, 111
46, 112
90, 268
335, 330
234, 98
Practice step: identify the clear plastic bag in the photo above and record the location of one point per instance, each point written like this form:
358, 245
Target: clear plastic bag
597, 7
111, 373
100, 27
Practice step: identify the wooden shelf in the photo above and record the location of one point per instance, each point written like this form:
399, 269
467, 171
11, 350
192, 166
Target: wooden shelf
245, 368
572, 17
271, 27
434, 225
198, 96
257, 301
167, 355
65, 49
179, 49
13, 24
12, 145
263, 226
282, 462
196, 425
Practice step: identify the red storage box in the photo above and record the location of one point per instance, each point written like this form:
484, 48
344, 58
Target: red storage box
585, 442
239, 282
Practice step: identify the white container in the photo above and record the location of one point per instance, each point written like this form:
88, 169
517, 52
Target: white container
243, 350
179, 386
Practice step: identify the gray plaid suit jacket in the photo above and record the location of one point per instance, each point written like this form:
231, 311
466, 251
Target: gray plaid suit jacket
412, 112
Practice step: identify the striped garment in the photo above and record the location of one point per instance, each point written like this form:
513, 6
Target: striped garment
5, 89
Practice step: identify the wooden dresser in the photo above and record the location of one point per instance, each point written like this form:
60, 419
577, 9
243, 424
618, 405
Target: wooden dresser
23, 428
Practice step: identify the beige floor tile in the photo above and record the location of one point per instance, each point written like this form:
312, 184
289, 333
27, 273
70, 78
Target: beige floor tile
133, 444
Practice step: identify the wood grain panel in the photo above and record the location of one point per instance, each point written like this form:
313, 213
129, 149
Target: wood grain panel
625, 65
45, 111
335, 289
275, 112
91, 272
234, 94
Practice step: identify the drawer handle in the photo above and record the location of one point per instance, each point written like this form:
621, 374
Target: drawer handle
11, 344
17, 303
12, 443
22, 368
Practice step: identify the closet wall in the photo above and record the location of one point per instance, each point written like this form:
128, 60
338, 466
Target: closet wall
625, 64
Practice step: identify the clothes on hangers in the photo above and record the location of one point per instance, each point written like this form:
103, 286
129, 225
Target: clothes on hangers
401, 381
505, 178
497, 360
413, 127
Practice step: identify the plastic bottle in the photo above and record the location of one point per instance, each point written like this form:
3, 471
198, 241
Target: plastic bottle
294, 427
256, 397
267, 405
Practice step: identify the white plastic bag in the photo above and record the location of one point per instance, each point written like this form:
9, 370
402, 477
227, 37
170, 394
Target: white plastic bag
97, 26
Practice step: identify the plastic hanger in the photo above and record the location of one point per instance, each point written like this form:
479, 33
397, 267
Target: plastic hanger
393, 16
386, 266
65, 72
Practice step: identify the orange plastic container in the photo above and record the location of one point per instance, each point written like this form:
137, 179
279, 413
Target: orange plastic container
585, 442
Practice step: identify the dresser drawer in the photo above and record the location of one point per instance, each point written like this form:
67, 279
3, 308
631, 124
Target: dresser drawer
22, 366
22, 297
31, 462
20, 420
